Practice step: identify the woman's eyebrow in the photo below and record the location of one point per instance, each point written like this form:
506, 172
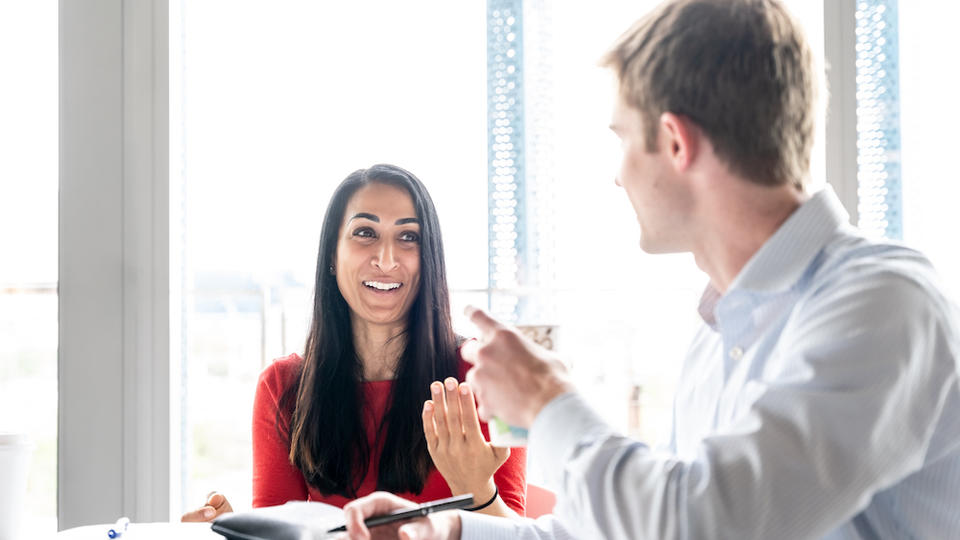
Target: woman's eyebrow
375, 219
365, 215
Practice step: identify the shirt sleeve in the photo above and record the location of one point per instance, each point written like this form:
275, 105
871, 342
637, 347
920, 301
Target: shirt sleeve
845, 413
474, 526
275, 479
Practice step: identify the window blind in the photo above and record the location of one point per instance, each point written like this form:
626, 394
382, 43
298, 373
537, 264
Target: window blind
878, 119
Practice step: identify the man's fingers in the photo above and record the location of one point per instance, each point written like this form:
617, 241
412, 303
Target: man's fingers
372, 505
378, 503
483, 412
477, 392
353, 516
468, 351
487, 324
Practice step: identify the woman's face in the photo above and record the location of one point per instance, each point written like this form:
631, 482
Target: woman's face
378, 254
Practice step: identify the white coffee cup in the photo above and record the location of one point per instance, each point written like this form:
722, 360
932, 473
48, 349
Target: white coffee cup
544, 335
15, 452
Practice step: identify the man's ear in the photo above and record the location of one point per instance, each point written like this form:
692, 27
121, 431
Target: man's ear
680, 138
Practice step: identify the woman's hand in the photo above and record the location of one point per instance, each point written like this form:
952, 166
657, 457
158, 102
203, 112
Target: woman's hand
216, 504
456, 444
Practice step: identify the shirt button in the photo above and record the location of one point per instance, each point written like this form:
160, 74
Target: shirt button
736, 353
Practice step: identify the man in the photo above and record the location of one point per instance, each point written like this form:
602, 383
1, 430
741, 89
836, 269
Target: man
821, 396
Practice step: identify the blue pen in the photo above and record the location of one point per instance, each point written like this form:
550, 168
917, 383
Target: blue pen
119, 528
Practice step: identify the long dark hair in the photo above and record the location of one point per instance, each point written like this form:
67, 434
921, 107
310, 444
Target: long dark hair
328, 442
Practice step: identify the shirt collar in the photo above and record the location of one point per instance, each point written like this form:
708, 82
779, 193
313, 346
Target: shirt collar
785, 256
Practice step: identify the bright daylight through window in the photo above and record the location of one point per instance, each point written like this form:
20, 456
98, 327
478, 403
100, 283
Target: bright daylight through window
263, 129
28, 244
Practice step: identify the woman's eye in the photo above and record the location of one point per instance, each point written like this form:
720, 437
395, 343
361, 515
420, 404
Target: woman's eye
410, 236
365, 232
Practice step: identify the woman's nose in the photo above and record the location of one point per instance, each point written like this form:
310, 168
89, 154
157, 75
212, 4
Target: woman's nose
385, 260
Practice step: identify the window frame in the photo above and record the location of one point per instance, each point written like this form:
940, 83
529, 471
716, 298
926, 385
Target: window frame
840, 57
114, 279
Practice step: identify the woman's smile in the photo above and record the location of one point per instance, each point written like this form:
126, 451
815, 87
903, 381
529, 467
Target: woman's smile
383, 286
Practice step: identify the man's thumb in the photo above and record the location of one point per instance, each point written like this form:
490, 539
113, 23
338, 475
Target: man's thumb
415, 530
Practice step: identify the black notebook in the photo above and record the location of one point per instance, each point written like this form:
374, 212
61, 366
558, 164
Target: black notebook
296, 520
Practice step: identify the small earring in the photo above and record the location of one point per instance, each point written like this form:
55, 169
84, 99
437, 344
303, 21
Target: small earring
332, 271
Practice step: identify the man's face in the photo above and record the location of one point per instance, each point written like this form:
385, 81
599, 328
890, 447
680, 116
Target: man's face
660, 197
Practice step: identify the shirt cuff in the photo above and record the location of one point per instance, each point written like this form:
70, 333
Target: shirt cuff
475, 526
562, 426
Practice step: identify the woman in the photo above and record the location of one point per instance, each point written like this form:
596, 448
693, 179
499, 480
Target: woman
355, 414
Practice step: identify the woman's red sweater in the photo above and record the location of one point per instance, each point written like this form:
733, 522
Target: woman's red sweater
276, 480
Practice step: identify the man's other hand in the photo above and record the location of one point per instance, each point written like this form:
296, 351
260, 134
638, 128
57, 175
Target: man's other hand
512, 377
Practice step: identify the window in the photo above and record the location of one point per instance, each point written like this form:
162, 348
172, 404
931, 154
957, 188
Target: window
28, 219
273, 104
904, 130
930, 182
878, 119
625, 318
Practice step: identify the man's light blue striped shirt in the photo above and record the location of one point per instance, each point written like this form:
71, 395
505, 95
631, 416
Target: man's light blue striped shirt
820, 399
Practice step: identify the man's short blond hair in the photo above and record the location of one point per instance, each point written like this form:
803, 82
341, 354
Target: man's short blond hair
741, 70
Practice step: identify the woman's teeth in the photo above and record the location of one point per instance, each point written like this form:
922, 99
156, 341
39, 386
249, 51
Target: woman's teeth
382, 286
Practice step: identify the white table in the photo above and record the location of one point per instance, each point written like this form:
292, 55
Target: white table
143, 531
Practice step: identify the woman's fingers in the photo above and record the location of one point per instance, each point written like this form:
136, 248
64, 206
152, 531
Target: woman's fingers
216, 500
440, 411
219, 503
471, 422
204, 513
429, 427
216, 504
454, 423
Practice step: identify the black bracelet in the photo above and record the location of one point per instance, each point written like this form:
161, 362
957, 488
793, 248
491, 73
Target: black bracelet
496, 491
